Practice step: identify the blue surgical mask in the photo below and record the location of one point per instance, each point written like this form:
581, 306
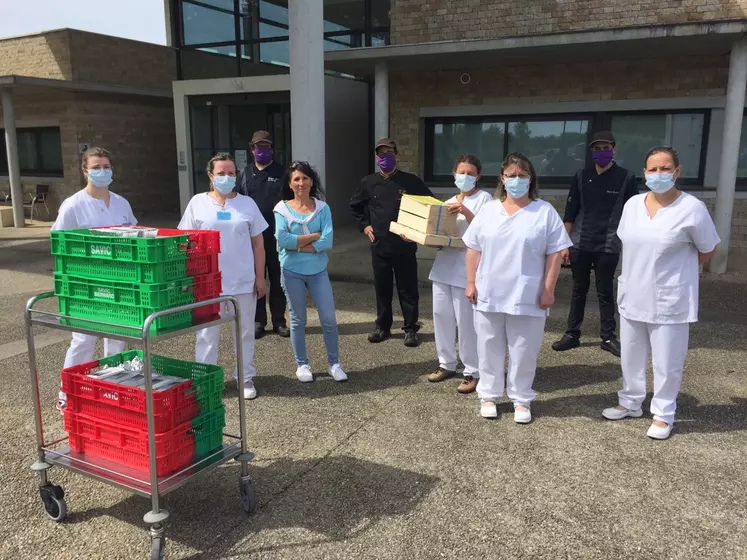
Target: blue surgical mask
659, 182
516, 187
464, 182
224, 184
100, 177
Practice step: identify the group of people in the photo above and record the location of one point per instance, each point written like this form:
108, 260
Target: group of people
490, 299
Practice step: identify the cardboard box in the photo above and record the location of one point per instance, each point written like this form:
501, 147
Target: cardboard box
429, 239
426, 215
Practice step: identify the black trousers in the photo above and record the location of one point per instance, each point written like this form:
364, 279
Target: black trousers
275, 290
404, 268
604, 265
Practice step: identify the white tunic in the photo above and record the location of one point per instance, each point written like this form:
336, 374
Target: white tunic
83, 211
510, 276
660, 276
450, 264
238, 221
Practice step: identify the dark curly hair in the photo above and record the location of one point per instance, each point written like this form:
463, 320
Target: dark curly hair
304, 167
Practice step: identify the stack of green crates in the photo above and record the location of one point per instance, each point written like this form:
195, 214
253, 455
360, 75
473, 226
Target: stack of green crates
121, 280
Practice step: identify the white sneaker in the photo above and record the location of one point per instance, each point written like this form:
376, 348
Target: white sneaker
337, 373
304, 374
614, 413
522, 416
488, 409
250, 392
655, 432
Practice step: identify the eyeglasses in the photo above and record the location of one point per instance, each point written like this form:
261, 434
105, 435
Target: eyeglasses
299, 163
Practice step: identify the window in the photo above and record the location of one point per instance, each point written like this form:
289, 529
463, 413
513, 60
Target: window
257, 31
636, 134
39, 152
556, 146
742, 161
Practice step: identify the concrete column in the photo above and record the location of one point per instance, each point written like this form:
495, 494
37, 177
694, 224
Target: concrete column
11, 146
381, 101
735, 94
306, 36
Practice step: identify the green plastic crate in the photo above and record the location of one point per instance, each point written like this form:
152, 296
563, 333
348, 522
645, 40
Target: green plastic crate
207, 379
168, 294
208, 431
145, 273
88, 243
119, 314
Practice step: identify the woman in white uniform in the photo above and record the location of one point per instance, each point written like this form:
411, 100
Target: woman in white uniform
665, 235
241, 260
93, 206
513, 261
451, 310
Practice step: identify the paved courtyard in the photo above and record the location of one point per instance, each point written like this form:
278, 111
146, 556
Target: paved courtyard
390, 466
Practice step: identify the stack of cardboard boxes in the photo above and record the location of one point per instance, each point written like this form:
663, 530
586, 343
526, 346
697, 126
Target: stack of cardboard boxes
426, 221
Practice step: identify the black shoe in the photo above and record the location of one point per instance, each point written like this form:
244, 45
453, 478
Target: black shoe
378, 336
567, 342
283, 331
612, 346
411, 339
259, 332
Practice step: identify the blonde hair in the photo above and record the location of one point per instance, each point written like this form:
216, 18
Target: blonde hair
219, 157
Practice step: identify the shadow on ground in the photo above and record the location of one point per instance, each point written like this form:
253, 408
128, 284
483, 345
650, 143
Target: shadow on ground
336, 498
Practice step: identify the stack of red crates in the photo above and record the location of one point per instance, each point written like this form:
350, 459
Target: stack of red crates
202, 265
109, 420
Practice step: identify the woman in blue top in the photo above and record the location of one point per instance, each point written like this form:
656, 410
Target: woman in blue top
303, 229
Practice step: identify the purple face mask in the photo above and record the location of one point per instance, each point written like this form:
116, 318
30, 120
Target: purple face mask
262, 156
386, 162
603, 157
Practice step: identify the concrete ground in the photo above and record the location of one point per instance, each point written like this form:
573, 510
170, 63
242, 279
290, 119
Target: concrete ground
391, 466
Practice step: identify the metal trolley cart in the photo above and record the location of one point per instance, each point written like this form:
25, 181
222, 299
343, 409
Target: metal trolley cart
149, 485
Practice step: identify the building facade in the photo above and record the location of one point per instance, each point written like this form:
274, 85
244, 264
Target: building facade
66, 90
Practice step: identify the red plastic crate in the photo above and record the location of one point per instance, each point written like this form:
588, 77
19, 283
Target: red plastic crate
164, 421
201, 241
207, 286
75, 381
128, 438
202, 264
168, 464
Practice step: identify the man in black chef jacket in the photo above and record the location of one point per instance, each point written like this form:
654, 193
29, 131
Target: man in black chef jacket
262, 182
592, 214
374, 206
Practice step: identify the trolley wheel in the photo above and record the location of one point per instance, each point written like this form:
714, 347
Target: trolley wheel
248, 495
158, 548
53, 498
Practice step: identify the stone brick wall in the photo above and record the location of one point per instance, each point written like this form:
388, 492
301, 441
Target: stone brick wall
103, 59
139, 132
41, 56
416, 21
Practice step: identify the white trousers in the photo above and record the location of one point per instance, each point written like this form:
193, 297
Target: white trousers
206, 347
523, 337
667, 345
451, 311
82, 346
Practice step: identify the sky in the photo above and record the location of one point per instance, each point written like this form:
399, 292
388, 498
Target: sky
141, 20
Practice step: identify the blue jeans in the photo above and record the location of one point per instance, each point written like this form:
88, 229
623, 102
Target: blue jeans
320, 289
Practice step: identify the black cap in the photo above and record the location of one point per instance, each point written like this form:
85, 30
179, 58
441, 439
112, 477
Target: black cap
602, 136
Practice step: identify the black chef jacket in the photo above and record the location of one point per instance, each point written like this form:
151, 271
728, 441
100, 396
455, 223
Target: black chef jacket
264, 187
594, 207
376, 204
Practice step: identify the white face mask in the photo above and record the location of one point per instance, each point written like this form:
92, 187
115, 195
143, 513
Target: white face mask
464, 182
659, 182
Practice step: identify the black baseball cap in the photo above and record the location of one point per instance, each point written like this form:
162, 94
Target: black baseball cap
602, 136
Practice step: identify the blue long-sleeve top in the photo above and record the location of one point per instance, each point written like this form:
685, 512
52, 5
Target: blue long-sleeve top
287, 238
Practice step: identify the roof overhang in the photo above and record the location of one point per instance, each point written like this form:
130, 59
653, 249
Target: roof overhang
582, 46
30, 84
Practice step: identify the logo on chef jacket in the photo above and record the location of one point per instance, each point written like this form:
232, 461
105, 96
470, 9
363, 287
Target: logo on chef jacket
273, 179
